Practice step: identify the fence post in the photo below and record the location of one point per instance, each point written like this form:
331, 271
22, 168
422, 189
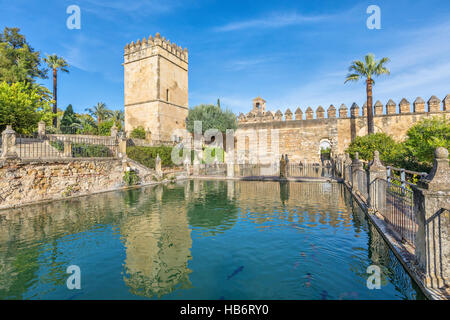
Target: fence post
9, 143
122, 147
41, 129
114, 131
158, 168
67, 149
347, 165
376, 183
431, 207
356, 166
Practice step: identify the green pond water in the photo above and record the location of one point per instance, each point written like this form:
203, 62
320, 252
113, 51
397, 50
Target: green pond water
199, 240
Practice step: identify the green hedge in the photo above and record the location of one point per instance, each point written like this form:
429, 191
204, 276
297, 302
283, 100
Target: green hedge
147, 155
83, 150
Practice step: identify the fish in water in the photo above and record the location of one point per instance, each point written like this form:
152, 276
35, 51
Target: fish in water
235, 272
324, 295
309, 277
302, 254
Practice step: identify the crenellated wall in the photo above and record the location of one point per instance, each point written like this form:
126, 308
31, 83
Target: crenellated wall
302, 136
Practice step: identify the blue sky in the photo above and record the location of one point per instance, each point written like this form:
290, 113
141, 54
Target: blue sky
291, 53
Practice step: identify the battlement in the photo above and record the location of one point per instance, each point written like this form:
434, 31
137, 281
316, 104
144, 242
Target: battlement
404, 107
147, 47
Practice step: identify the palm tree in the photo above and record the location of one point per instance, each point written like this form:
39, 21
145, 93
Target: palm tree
100, 112
118, 117
54, 62
367, 70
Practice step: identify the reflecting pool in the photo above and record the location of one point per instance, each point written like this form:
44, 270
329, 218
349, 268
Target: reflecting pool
199, 240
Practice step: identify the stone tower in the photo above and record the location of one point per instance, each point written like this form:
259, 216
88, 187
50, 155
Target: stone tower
156, 87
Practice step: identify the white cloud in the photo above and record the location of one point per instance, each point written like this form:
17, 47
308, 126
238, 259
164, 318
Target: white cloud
274, 20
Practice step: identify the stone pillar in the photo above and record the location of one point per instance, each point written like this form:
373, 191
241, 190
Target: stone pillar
283, 168
196, 167
122, 147
347, 164
376, 183
67, 149
41, 129
356, 166
9, 143
114, 131
431, 208
158, 168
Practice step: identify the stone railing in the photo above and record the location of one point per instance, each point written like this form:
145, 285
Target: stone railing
418, 213
46, 146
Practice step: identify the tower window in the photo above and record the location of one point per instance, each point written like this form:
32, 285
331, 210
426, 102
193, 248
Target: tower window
257, 105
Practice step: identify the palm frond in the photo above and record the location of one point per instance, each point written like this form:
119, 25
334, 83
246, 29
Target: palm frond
352, 77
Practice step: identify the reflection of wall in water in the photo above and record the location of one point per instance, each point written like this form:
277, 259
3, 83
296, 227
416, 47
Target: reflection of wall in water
308, 201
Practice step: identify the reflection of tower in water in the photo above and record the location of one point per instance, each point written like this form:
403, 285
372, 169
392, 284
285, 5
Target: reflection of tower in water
158, 246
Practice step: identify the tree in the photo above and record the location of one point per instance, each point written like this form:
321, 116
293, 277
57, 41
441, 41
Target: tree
100, 112
54, 62
212, 117
119, 118
23, 105
365, 146
69, 120
104, 128
18, 61
367, 70
422, 140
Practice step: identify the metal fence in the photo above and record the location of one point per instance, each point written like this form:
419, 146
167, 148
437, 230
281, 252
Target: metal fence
394, 200
219, 169
310, 170
361, 183
65, 146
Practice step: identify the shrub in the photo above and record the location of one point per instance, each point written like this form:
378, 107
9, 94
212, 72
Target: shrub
138, 133
80, 150
83, 150
147, 155
104, 128
422, 139
131, 178
209, 154
389, 150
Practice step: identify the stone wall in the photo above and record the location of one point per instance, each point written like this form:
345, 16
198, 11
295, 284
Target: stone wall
263, 136
23, 182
